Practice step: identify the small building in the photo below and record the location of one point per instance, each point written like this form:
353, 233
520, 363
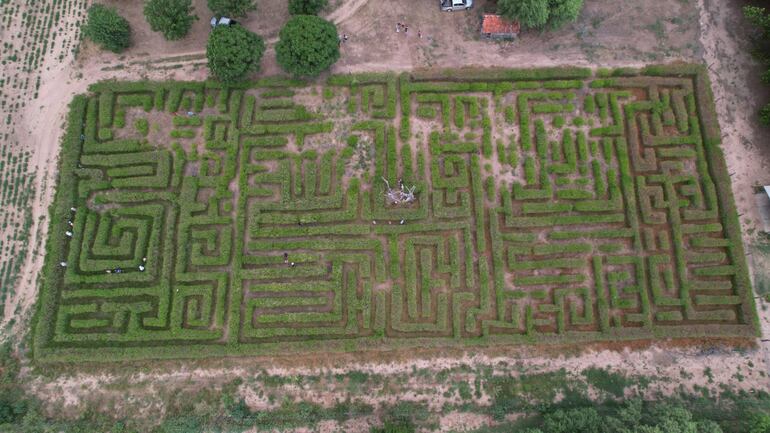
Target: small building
496, 27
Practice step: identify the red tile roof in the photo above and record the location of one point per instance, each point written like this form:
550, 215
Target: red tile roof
496, 24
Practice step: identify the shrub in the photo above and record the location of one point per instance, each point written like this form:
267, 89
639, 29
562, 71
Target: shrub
308, 45
173, 18
105, 134
232, 8
142, 126
563, 11
306, 7
529, 13
234, 52
539, 14
107, 28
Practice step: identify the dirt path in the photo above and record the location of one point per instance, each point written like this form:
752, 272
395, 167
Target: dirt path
734, 76
36, 124
345, 11
42, 123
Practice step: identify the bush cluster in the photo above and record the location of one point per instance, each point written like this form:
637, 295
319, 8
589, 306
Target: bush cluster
107, 28
233, 53
173, 18
540, 14
307, 46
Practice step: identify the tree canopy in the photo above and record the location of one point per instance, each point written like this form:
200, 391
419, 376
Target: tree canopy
308, 45
633, 417
306, 7
234, 52
173, 18
232, 8
561, 12
107, 28
539, 14
759, 17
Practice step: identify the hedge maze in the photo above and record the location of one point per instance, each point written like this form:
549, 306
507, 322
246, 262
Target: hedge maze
556, 205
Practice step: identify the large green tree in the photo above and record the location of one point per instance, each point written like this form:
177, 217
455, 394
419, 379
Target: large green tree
232, 8
306, 7
308, 45
107, 28
538, 14
234, 52
173, 18
759, 17
529, 13
561, 12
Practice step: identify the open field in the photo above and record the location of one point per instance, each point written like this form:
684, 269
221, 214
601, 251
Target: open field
550, 205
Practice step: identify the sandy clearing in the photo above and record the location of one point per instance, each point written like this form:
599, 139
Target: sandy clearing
463, 421
672, 370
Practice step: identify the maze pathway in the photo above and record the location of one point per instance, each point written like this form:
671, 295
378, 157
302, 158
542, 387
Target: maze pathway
559, 205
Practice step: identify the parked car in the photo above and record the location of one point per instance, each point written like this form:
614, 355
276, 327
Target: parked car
455, 5
222, 21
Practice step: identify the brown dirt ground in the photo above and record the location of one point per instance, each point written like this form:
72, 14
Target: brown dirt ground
616, 33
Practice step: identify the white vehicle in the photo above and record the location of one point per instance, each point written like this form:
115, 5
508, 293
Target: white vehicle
455, 5
222, 21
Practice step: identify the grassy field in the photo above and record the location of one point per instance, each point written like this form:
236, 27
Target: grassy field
196, 220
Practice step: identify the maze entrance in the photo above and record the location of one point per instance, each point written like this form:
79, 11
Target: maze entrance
557, 205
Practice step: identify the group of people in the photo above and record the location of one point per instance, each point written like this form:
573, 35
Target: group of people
69, 233
405, 28
117, 270
400, 27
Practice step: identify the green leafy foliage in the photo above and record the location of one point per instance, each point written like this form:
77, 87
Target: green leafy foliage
538, 14
233, 53
759, 423
107, 28
608, 381
173, 18
308, 45
403, 417
563, 11
529, 13
232, 8
632, 417
306, 7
